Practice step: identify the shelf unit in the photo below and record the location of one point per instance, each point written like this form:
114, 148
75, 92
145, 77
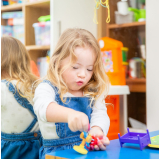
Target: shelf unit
32, 11
127, 33
136, 85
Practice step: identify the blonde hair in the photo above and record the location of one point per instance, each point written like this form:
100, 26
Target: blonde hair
69, 40
15, 65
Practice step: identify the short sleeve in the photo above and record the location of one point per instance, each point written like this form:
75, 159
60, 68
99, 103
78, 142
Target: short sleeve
44, 95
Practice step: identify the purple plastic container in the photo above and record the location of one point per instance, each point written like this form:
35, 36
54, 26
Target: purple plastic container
143, 139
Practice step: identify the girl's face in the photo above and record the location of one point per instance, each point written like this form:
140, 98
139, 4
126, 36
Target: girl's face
79, 73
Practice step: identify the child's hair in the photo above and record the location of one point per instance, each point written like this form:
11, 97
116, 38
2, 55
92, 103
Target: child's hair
69, 40
15, 64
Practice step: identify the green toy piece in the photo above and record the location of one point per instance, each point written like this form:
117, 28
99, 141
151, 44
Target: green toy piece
154, 142
44, 18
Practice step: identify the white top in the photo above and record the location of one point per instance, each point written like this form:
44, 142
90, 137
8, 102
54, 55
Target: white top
44, 95
14, 117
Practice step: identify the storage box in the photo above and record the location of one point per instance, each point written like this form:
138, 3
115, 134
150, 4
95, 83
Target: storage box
120, 19
18, 32
42, 33
6, 30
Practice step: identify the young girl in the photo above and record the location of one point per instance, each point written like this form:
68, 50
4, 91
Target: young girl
72, 95
20, 135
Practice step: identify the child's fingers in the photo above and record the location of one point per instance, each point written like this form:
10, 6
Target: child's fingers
79, 126
101, 146
96, 148
105, 141
85, 123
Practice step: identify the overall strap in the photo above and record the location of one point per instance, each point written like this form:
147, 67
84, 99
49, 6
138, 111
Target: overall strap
23, 102
54, 88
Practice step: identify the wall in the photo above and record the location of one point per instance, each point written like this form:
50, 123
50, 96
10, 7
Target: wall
71, 13
152, 48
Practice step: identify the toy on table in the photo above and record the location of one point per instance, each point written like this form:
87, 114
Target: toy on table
143, 139
85, 139
94, 141
154, 142
88, 141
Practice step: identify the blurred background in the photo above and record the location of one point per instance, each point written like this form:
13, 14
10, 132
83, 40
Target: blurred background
129, 46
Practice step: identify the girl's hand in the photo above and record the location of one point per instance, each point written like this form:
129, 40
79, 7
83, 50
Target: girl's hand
104, 141
78, 121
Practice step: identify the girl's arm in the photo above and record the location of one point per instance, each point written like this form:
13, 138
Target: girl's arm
99, 116
47, 109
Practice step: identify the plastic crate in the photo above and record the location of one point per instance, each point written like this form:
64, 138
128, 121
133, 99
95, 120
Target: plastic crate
120, 19
42, 33
6, 30
113, 113
18, 32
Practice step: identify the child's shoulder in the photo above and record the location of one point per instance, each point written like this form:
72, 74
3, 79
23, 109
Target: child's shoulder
45, 85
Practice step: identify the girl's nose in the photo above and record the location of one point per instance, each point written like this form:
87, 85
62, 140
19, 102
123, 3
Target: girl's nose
82, 74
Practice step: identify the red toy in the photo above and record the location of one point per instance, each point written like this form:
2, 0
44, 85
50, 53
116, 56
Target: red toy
94, 142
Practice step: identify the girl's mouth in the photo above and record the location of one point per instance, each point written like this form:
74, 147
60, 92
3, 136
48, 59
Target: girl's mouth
79, 83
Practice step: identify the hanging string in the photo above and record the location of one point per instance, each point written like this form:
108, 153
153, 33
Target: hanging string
97, 6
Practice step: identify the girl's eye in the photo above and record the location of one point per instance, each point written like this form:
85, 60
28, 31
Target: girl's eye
89, 69
75, 68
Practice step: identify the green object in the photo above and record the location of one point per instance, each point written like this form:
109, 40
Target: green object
138, 13
124, 54
154, 142
44, 18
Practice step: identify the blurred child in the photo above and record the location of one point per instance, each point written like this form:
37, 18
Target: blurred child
72, 95
20, 135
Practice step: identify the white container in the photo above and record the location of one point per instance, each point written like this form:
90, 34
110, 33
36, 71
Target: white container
143, 51
120, 19
122, 7
42, 33
137, 124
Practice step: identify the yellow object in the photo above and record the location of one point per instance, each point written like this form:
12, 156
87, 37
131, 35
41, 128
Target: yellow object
104, 4
81, 148
124, 49
154, 142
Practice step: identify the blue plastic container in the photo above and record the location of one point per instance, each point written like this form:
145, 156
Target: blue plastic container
42, 33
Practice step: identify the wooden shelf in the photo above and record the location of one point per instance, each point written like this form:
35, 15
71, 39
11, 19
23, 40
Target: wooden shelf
133, 24
136, 85
40, 4
35, 47
11, 7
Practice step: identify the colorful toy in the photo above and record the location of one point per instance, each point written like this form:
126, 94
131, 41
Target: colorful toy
112, 60
88, 141
81, 148
143, 139
154, 142
94, 141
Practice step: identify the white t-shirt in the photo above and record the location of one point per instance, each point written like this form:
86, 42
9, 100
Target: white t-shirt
14, 117
45, 94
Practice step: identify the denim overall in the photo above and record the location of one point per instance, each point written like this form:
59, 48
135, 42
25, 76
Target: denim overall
67, 138
23, 145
